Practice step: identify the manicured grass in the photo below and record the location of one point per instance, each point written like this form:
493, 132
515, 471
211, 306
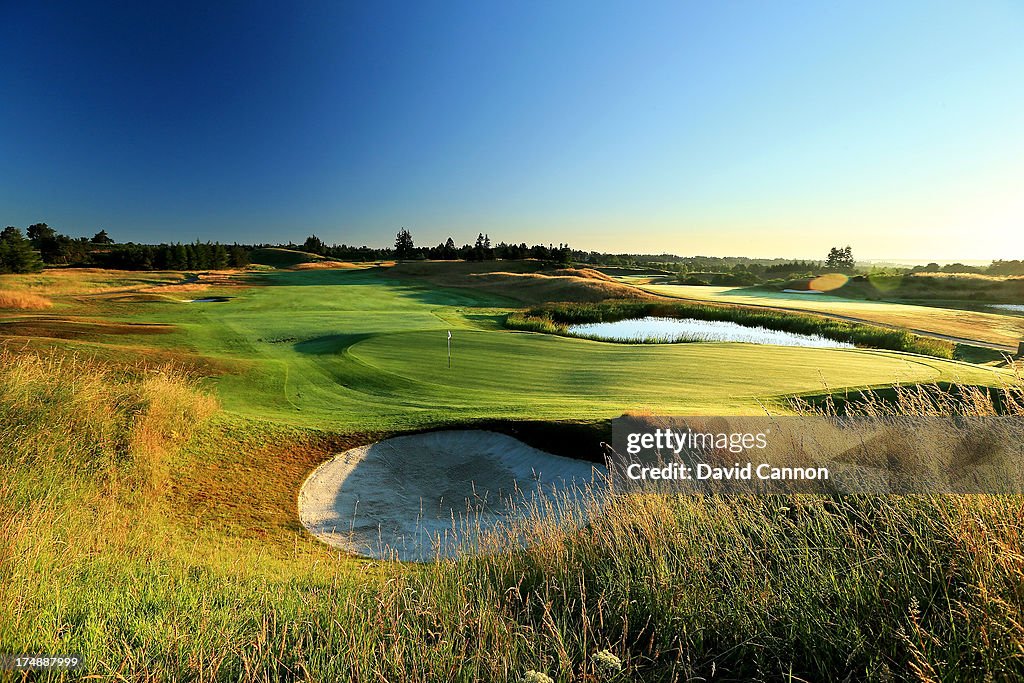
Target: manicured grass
987, 327
354, 350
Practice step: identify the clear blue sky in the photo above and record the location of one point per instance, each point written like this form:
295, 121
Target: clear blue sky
756, 128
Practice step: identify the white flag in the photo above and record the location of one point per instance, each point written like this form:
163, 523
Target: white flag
449, 334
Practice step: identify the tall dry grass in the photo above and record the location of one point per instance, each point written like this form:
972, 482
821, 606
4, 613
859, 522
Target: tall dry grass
24, 301
922, 588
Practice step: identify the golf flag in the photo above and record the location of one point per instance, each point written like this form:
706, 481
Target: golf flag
449, 349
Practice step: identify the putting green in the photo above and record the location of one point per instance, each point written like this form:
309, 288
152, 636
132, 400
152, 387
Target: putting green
355, 350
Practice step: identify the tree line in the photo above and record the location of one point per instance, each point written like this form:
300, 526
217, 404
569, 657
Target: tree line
405, 249
42, 246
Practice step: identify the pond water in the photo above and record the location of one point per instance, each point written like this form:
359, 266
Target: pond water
1015, 308
669, 330
210, 300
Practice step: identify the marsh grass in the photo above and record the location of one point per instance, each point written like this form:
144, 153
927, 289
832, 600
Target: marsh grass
556, 319
922, 588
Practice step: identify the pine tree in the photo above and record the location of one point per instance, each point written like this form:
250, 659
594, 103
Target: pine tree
17, 254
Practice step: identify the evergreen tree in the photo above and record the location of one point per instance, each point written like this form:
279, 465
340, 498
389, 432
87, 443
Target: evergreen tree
404, 247
101, 238
17, 254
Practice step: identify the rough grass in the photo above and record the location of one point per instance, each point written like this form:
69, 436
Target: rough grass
521, 281
25, 301
986, 325
314, 265
555, 319
55, 282
791, 588
972, 287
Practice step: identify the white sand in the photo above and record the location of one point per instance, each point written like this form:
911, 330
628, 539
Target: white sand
425, 496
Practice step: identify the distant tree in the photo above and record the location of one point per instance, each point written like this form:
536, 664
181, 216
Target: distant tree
177, 258
238, 256
44, 239
17, 254
38, 232
482, 248
219, 259
404, 247
313, 244
101, 238
840, 259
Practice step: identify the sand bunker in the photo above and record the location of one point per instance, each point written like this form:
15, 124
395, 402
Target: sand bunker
425, 496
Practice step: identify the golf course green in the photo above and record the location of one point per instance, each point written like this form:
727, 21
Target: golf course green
357, 350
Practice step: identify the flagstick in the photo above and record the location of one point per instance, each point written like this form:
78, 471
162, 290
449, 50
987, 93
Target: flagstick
449, 349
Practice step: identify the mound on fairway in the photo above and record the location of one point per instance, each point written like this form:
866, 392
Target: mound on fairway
521, 281
282, 258
427, 496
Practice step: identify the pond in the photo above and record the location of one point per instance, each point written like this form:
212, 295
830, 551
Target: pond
671, 330
210, 300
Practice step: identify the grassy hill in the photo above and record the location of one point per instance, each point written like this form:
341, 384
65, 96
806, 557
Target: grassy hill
282, 258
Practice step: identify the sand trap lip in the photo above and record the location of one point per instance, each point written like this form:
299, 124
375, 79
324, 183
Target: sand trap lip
209, 300
424, 496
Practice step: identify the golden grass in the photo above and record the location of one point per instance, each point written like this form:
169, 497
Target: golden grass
582, 272
968, 276
132, 512
54, 282
326, 265
24, 301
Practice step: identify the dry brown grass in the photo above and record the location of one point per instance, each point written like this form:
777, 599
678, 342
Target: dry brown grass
54, 282
968, 276
327, 265
23, 301
582, 272
251, 488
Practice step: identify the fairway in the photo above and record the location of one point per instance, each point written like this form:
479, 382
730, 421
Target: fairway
991, 328
347, 350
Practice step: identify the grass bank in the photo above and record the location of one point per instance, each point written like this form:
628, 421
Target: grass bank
555, 319
106, 557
